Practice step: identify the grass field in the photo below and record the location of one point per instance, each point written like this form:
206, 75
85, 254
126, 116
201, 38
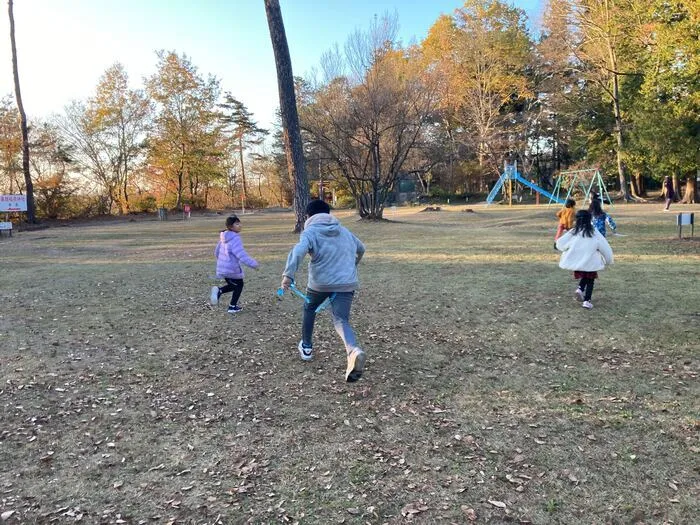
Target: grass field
490, 395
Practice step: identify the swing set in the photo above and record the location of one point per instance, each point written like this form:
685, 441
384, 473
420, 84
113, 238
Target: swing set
586, 180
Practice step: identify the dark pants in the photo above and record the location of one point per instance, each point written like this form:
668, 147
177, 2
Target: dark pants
586, 285
340, 312
235, 286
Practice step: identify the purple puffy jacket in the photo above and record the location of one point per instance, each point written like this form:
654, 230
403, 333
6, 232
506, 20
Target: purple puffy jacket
230, 254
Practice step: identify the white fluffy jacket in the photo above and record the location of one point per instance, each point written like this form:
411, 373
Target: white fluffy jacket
584, 254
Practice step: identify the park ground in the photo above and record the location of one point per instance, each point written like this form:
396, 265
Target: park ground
490, 395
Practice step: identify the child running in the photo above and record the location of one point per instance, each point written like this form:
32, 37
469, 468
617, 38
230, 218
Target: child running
230, 254
586, 252
567, 218
600, 218
335, 253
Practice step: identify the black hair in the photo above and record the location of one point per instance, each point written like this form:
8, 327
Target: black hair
230, 221
317, 206
570, 203
596, 208
583, 223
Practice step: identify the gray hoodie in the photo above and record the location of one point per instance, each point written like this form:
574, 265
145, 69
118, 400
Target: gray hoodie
334, 251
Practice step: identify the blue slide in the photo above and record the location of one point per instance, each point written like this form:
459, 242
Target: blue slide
537, 188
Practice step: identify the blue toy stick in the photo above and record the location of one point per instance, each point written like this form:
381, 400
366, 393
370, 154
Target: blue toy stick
319, 308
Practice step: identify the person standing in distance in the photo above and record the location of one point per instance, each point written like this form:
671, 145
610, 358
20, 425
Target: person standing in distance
335, 253
668, 192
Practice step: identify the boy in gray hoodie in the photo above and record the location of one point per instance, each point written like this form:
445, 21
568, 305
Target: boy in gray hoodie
335, 253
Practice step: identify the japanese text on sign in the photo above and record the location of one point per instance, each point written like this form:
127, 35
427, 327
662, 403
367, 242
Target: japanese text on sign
13, 203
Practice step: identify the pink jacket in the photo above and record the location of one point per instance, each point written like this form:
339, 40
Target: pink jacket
230, 254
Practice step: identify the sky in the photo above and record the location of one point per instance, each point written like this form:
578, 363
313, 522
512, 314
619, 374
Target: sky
64, 46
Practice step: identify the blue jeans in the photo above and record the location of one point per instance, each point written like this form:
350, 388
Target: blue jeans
340, 312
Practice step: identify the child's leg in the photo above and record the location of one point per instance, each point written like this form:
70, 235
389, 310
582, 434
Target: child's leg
228, 287
560, 231
341, 319
588, 289
236, 287
307, 324
582, 284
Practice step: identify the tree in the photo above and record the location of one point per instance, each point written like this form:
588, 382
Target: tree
186, 143
603, 46
369, 116
482, 53
106, 135
50, 170
664, 112
244, 130
121, 118
288, 108
10, 148
28, 186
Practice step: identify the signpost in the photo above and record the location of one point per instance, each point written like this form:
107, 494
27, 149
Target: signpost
11, 204
685, 219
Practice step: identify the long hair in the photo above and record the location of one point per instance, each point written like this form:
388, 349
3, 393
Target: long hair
583, 223
596, 208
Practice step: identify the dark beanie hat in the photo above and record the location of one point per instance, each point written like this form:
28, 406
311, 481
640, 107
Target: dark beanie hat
317, 206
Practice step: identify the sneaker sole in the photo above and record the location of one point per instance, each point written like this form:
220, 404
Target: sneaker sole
214, 296
356, 365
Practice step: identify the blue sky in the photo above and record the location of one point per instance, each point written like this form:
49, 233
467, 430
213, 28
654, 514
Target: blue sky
65, 45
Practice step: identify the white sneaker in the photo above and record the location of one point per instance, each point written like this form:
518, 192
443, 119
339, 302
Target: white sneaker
356, 364
214, 295
579, 294
587, 305
306, 354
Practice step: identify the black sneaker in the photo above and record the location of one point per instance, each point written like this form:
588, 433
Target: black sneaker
234, 309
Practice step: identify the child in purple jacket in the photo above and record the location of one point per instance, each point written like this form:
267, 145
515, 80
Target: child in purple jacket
230, 255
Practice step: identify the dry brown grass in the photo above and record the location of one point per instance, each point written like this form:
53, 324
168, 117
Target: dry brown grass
489, 393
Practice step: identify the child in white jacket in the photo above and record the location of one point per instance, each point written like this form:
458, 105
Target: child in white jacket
586, 252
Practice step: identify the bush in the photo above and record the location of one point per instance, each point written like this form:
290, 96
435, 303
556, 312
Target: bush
344, 201
145, 204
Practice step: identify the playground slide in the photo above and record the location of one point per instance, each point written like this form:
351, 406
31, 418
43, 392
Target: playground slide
537, 189
494, 191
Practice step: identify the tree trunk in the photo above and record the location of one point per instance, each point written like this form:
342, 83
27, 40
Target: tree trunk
690, 196
637, 185
240, 151
624, 191
29, 186
288, 108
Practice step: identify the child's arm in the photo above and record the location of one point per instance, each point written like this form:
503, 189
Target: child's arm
563, 241
296, 256
236, 247
611, 223
217, 250
359, 250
